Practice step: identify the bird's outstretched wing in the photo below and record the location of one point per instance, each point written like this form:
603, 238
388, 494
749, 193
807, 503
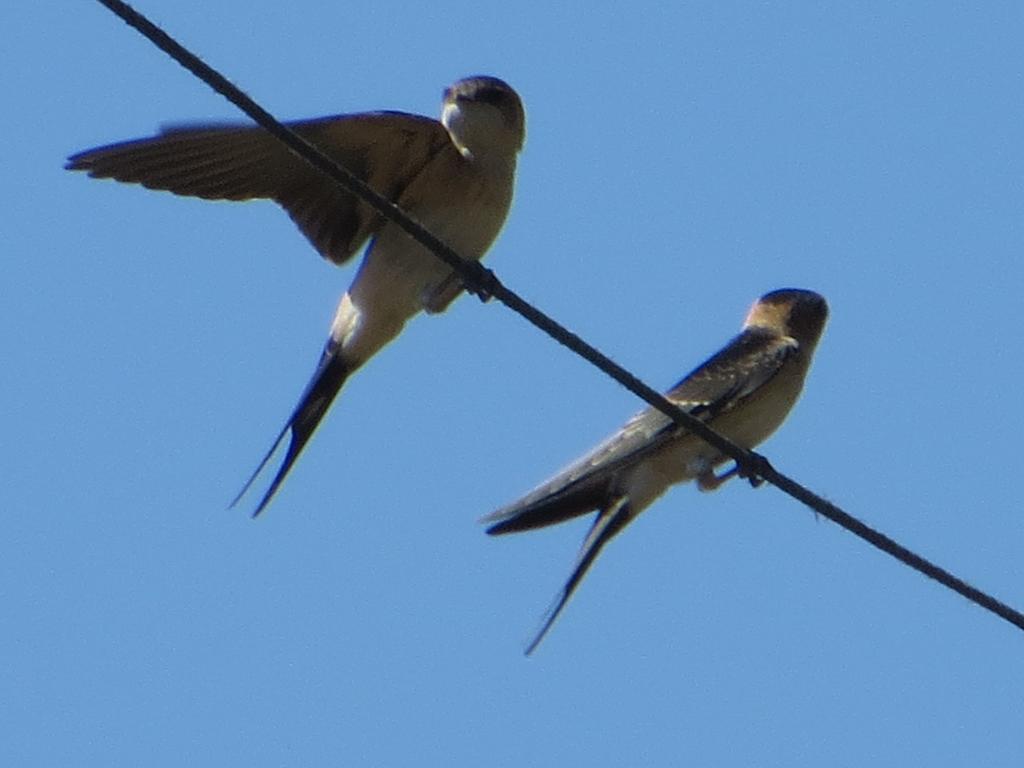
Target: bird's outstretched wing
233, 162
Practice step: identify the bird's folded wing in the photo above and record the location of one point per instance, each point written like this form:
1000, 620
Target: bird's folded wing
740, 369
717, 386
582, 486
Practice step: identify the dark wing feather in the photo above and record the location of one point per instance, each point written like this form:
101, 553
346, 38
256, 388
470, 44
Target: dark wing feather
720, 384
742, 367
384, 149
583, 486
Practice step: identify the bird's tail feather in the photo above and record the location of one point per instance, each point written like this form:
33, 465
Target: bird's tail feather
330, 375
609, 522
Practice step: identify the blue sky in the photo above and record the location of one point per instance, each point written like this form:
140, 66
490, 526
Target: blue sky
680, 162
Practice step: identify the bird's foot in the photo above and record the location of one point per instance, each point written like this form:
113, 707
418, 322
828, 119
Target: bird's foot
709, 481
755, 471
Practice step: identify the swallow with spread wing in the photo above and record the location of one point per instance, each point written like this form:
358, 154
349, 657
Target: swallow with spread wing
455, 176
743, 392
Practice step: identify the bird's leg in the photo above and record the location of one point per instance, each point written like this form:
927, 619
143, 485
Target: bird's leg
437, 298
709, 481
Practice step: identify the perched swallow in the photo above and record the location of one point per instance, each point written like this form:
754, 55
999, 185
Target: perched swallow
743, 392
454, 176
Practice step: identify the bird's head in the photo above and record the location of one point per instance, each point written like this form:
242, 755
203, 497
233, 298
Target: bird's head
791, 312
484, 117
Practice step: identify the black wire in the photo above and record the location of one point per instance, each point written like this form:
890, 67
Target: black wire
485, 283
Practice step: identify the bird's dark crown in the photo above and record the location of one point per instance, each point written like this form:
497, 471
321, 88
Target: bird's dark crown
802, 313
493, 91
